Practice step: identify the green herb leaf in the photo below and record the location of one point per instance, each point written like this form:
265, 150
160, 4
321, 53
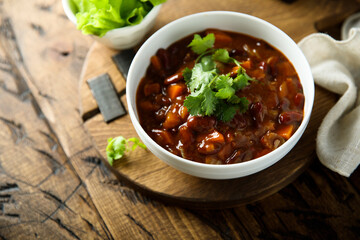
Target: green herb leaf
117, 147
244, 104
187, 74
226, 111
207, 63
208, 106
223, 81
211, 93
200, 77
222, 55
200, 45
242, 80
193, 104
225, 93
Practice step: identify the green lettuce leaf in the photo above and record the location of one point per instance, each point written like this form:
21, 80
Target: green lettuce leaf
97, 17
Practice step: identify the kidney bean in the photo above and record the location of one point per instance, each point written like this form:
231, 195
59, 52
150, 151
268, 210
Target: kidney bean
299, 100
174, 78
264, 66
201, 124
290, 117
257, 111
165, 58
186, 135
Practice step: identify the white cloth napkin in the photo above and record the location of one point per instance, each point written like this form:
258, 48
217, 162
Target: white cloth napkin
336, 67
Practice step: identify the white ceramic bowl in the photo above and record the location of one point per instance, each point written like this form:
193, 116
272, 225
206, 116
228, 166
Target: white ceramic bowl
120, 38
235, 22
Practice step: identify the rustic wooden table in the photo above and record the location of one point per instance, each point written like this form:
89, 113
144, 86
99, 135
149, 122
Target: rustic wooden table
53, 183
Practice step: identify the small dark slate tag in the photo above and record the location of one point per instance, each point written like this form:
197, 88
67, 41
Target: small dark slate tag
106, 97
123, 60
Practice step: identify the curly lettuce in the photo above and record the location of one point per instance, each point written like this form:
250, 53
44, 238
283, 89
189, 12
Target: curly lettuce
97, 17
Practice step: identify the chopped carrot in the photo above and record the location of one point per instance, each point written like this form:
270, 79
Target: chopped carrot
246, 64
234, 71
163, 137
286, 69
286, 131
155, 61
172, 120
175, 90
257, 74
221, 39
283, 90
151, 88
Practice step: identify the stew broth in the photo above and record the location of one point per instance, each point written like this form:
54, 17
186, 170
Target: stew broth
276, 102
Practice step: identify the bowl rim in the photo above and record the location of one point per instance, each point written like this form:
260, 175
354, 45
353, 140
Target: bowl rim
253, 163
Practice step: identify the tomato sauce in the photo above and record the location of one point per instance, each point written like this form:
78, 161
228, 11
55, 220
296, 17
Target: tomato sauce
276, 103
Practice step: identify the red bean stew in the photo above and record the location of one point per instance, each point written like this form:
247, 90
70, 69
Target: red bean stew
274, 113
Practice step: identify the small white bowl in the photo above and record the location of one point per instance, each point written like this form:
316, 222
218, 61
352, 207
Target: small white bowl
121, 38
230, 21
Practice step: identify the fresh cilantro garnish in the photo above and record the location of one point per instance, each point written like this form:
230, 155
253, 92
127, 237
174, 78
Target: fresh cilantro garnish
222, 55
117, 147
200, 45
211, 93
187, 74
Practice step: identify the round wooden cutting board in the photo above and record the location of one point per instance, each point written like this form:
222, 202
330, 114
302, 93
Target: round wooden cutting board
146, 173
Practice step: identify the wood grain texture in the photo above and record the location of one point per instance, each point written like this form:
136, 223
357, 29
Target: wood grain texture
40, 47
39, 190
